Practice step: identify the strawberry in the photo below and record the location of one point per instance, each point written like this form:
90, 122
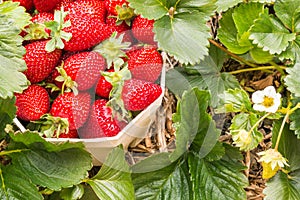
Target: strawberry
88, 28
84, 68
74, 108
138, 94
101, 123
103, 87
40, 63
145, 63
45, 5
32, 103
111, 5
142, 29
28, 4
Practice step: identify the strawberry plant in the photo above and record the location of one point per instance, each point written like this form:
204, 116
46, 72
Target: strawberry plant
212, 49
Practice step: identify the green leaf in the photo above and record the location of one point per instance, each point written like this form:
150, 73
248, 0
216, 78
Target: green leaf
211, 78
185, 36
270, 34
245, 121
295, 122
292, 79
7, 113
151, 9
245, 15
113, 181
235, 100
49, 165
192, 109
293, 51
228, 34
73, 193
283, 186
205, 6
224, 5
170, 182
13, 19
15, 185
260, 56
289, 14
219, 179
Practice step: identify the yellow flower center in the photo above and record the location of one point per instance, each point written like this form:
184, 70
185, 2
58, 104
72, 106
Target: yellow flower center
268, 101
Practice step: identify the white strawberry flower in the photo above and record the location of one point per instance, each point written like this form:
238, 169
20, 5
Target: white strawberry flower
242, 139
273, 158
266, 100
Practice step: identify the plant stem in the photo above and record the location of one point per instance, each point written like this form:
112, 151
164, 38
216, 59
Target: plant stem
232, 54
256, 69
258, 122
289, 112
279, 68
2, 153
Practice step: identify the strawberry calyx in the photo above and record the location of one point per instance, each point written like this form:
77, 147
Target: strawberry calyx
51, 126
57, 34
117, 79
36, 31
125, 13
112, 49
68, 84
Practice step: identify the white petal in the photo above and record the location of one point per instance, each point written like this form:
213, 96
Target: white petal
270, 91
259, 107
258, 97
271, 109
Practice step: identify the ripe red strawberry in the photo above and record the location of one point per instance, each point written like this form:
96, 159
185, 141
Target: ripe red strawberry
138, 94
40, 63
103, 87
142, 29
32, 103
45, 5
75, 108
101, 122
42, 17
28, 4
85, 68
145, 63
88, 26
110, 5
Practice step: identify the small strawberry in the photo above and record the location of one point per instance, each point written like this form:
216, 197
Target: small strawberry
103, 87
40, 63
74, 108
138, 94
45, 5
142, 29
111, 5
120, 10
84, 68
32, 103
101, 122
28, 4
145, 63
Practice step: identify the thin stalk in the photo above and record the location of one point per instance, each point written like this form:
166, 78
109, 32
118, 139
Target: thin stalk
279, 68
2, 153
256, 69
232, 54
289, 112
258, 122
